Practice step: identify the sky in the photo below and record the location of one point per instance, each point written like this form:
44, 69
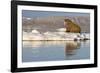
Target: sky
32, 13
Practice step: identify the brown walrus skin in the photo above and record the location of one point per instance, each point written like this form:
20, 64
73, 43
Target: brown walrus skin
71, 26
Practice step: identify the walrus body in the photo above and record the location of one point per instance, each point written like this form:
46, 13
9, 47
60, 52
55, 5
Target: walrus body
71, 26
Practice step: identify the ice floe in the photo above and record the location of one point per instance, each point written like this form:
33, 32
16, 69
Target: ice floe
36, 35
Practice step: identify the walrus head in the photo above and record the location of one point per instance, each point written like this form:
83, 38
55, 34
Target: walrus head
71, 26
66, 21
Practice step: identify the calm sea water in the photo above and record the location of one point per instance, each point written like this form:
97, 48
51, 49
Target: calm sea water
34, 51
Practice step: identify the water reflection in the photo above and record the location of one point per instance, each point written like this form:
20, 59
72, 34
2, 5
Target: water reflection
55, 50
71, 46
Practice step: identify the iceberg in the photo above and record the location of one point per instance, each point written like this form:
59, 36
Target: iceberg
28, 18
32, 36
61, 29
35, 31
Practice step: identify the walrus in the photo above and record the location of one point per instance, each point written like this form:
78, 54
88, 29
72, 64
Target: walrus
71, 26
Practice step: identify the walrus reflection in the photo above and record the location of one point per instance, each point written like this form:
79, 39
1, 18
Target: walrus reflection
71, 46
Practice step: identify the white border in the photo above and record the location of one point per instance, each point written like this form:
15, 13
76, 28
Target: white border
53, 63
